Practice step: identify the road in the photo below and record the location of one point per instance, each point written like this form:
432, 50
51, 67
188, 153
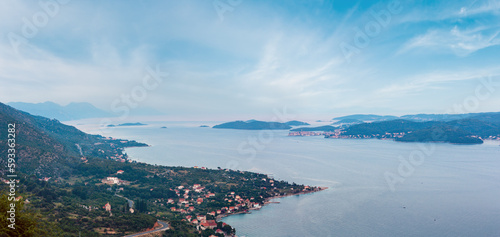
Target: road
164, 227
130, 202
79, 149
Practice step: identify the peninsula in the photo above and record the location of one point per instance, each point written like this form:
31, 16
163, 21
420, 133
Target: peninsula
75, 184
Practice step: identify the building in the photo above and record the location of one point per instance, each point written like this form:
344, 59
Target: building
112, 180
199, 200
201, 218
209, 224
107, 207
120, 172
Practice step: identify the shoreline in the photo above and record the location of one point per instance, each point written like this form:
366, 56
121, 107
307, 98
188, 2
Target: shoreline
268, 201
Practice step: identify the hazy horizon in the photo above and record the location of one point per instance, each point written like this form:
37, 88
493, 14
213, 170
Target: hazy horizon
221, 60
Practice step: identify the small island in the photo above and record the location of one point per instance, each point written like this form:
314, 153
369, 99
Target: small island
126, 124
254, 125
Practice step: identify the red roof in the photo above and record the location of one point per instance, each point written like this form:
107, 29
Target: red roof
209, 223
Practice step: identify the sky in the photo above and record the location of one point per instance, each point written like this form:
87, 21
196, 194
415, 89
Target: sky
227, 59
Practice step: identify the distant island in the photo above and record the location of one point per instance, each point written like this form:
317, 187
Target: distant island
449, 128
128, 124
410, 117
366, 117
253, 125
471, 130
204, 126
347, 121
296, 123
163, 127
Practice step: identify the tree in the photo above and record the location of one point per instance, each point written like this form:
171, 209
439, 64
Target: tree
26, 223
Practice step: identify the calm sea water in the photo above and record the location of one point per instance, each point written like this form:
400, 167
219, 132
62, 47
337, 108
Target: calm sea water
452, 190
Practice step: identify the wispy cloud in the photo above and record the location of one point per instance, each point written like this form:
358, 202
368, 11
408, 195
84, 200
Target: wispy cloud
455, 11
460, 42
434, 80
261, 57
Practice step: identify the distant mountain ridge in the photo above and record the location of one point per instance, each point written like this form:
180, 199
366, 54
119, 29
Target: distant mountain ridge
417, 117
366, 117
75, 111
72, 111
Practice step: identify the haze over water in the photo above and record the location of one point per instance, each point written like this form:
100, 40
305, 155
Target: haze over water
454, 192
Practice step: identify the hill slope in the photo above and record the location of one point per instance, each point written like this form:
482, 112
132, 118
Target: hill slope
46, 147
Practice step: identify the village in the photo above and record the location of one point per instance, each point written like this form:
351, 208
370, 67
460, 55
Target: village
202, 208
338, 133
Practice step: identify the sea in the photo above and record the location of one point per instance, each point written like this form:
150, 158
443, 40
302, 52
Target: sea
375, 187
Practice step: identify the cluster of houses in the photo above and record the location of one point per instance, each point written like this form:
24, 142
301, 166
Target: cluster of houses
379, 136
190, 197
305, 134
337, 132
493, 137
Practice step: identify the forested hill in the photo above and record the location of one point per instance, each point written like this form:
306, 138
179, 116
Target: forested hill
253, 125
463, 131
47, 147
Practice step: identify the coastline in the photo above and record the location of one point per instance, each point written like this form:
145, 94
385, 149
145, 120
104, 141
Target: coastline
268, 201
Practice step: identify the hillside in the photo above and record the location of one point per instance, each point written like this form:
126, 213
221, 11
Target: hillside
393, 126
326, 128
47, 147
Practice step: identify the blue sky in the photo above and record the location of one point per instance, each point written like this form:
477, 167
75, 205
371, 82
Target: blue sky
244, 59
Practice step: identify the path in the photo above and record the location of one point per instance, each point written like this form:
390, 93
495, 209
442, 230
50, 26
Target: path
164, 227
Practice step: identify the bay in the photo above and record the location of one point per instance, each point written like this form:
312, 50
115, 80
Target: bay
449, 190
